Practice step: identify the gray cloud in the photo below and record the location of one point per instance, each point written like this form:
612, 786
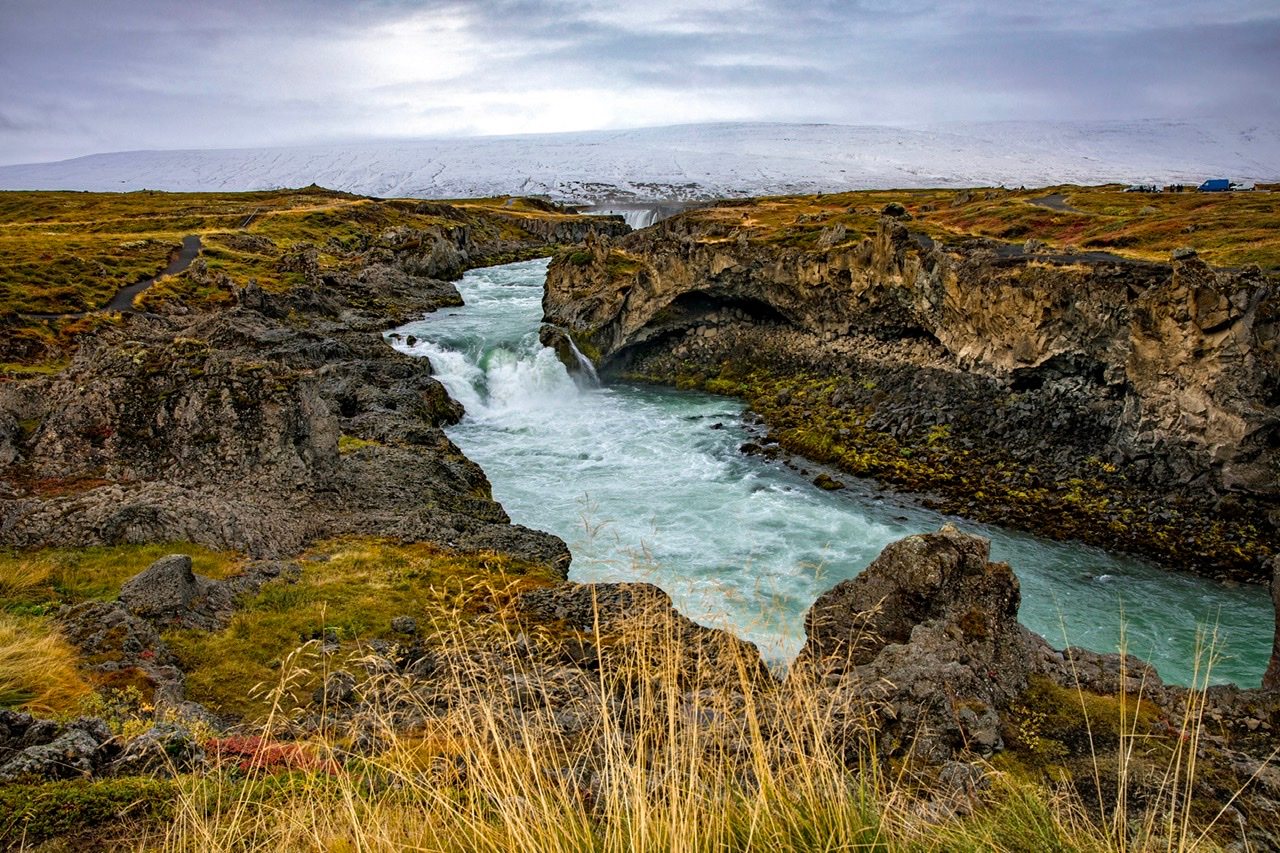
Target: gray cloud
121, 74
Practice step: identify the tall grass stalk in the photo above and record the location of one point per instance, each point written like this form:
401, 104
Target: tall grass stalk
673, 743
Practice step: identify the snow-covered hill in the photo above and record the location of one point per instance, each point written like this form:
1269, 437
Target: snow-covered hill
693, 162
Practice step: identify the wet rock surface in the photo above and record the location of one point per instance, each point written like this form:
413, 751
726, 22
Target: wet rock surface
924, 648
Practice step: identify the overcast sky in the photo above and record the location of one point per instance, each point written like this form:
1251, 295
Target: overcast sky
105, 75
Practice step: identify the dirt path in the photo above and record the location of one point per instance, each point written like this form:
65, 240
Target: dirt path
1057, 202
123, 301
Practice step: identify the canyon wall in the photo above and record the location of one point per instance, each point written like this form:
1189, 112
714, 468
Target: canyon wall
1158, 379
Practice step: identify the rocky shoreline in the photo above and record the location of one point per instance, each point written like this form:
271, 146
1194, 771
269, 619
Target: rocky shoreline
1126, 403
226, 427
283, 420
919, 661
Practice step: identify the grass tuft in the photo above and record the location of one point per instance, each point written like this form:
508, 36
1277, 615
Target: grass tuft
39, 670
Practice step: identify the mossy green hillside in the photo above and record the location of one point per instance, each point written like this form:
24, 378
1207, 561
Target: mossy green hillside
1226, 229
350, 589
78, 811
65, 253
41, 581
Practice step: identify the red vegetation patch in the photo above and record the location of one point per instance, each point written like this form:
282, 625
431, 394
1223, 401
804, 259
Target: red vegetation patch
255, 753
54, 487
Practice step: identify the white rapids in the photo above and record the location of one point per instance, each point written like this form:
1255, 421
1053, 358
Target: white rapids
647, 483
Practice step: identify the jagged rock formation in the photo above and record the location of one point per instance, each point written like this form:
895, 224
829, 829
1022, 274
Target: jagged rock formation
929, 635
924, 650
121, 643
222, 427
920, 658
1065, 363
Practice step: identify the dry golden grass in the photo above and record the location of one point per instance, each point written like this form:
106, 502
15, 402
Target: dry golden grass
1228, 229
39, 670
43, 579
673, 741
63, 252
677, 747
351, 590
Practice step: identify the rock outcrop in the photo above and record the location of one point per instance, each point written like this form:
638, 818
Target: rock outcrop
928, 636
222, 427
1060, 365
35, 749
923, 652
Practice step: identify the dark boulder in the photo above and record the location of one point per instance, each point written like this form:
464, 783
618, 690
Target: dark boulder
165, 748
122, 648
643, 614
925, 641
164, 591
339, 689
76, 750
405, 625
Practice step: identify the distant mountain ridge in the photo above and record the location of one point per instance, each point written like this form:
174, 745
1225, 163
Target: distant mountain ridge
696, 162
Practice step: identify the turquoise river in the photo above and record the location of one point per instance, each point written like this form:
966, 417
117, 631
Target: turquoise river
647, 483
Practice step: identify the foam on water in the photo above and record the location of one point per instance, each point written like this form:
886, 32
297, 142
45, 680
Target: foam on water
647, 484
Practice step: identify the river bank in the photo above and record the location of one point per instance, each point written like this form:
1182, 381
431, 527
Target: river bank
650, 484
250, 579
1116, 400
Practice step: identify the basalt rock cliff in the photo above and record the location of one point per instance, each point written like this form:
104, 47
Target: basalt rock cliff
266, 424
1132, 403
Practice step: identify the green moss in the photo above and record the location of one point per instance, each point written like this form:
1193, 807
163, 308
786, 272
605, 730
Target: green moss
582, 340
72, 252
30, 814
32, 581
17, 370
353, 589
1052, 724
351, 443
619, 264
1228, 229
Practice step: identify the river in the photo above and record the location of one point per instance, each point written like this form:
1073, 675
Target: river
647, 483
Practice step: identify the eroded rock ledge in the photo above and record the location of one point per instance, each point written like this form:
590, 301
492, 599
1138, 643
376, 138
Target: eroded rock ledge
1127, 403
227, 426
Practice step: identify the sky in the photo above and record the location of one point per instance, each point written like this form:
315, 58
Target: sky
107, 75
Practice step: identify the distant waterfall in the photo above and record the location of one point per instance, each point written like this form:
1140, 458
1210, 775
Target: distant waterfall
639, 215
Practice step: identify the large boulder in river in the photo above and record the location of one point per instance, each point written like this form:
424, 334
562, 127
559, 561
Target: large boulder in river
927, 638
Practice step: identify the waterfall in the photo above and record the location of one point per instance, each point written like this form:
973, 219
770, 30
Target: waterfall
640, 218
639, 215
587, 368
649, 484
